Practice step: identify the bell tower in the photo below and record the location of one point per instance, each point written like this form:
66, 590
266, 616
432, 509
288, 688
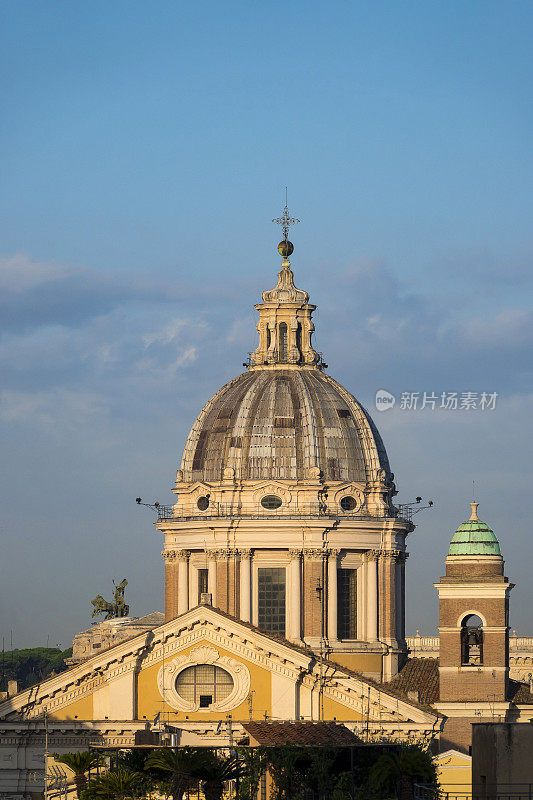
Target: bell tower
474, 630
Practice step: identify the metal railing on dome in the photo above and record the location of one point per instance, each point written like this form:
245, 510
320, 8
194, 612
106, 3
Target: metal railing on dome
257, 511
251, 511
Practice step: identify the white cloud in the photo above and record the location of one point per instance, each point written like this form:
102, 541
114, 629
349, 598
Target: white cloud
19, 273
58, 407
188, 356
507, 328
171, 331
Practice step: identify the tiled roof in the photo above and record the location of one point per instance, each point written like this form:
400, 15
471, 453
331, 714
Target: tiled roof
302, 734
520, 693
154, 618
419, 675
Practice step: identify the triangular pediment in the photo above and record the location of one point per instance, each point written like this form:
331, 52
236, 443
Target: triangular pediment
269, 669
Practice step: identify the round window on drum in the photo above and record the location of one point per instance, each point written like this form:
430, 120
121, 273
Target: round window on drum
271, 501
348, 503
203, 503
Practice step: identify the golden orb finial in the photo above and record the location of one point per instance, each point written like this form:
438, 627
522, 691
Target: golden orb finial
285, 248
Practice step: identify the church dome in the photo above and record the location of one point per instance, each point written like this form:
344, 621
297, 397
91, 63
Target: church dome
289, 423
474, 538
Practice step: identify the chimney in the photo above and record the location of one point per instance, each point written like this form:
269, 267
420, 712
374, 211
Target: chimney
12, 688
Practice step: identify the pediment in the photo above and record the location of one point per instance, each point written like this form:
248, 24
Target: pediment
244, 648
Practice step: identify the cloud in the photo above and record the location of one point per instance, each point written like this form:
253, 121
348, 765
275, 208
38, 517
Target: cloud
102, 380
508, 328
167, 334
51, 408
18, 273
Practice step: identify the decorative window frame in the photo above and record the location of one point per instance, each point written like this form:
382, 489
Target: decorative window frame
203, 654
271, 487
350, 491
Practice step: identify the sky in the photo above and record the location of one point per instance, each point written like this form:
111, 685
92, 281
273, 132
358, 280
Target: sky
145, 150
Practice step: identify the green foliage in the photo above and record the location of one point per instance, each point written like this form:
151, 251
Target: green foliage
80, 763
181, 764
134, 761
298, 771
408, 763
255, 762
216, 771
120, 784
31, 666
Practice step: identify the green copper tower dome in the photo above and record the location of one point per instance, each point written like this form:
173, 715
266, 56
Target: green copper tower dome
474, 538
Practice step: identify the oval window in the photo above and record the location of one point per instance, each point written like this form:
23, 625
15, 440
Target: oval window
271, 501
204, 684
348, 503
203, 503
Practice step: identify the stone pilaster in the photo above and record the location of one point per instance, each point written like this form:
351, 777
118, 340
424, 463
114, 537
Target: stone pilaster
294, 596
245, 585
371, 558
387, 595
182, 557
212, 575
228, 589
313, 570
171, 584
333, 556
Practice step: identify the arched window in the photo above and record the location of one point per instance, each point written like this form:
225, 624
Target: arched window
471, 640
283, 342
299, 338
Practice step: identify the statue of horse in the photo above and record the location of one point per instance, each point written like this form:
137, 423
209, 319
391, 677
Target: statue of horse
119, 608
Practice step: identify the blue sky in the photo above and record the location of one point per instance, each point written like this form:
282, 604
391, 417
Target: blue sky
145, 150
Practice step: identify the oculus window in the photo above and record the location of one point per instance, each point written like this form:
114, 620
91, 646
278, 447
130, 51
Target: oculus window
271, 501
348, 503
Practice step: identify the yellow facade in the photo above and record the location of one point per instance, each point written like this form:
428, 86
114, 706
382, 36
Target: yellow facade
150, 702
359, 662
454, 772
81, 709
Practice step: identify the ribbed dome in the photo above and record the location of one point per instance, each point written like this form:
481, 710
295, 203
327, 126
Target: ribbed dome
474, 538
284, 424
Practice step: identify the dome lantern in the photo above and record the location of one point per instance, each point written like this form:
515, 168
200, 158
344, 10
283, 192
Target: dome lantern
285, 326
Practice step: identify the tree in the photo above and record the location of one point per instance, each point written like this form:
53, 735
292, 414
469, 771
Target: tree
216, 771
394, 772
182, 764
80, 763
255, 762
120, 784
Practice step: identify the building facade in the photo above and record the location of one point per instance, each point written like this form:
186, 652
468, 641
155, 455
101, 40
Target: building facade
284, 587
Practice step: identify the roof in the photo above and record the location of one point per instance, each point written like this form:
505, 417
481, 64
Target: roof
420, 675
474, 538
302, 734
283, 424
520, 693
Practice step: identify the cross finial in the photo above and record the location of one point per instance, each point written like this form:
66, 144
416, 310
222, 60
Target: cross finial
286, 220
